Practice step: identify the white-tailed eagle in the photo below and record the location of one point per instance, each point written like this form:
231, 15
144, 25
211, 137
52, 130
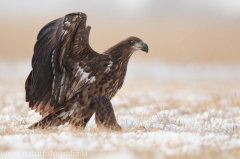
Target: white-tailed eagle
69, 81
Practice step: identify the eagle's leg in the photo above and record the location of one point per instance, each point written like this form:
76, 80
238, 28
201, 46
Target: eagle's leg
84, 115
105, 114
81, 120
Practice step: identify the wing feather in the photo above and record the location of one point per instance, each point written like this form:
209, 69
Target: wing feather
61, 50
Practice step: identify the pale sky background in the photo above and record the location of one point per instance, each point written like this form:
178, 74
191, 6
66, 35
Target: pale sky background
211, 8
175, 30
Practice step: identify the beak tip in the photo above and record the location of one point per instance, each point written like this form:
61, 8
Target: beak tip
145, 48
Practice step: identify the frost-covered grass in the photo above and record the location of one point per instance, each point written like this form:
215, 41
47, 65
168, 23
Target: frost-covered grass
160, 119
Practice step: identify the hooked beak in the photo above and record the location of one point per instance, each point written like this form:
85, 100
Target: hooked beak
144, 47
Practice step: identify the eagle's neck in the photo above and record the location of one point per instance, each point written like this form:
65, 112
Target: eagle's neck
120, 55
120, 58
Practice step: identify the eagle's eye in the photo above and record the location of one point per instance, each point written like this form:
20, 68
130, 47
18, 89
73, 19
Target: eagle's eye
132, 42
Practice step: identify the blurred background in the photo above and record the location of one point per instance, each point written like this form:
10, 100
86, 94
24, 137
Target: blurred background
178, 32
185, 92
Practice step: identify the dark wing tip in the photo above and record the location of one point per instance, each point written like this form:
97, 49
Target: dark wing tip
72, 18
48, 27
80, 14
54, 24
77, 13
88, 27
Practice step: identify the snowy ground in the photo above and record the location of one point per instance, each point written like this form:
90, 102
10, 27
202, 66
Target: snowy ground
166, 112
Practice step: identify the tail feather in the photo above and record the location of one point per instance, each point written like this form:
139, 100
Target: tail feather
50, 120
75, 116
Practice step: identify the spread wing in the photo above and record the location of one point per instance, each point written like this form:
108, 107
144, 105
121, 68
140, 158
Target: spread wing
63, 63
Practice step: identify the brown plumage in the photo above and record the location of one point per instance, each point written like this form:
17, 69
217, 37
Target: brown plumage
69, 81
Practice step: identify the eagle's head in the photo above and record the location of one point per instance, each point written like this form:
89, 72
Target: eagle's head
125, 48
137, 44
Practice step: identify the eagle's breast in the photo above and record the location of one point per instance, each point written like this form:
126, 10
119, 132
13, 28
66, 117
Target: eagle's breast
110, 82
